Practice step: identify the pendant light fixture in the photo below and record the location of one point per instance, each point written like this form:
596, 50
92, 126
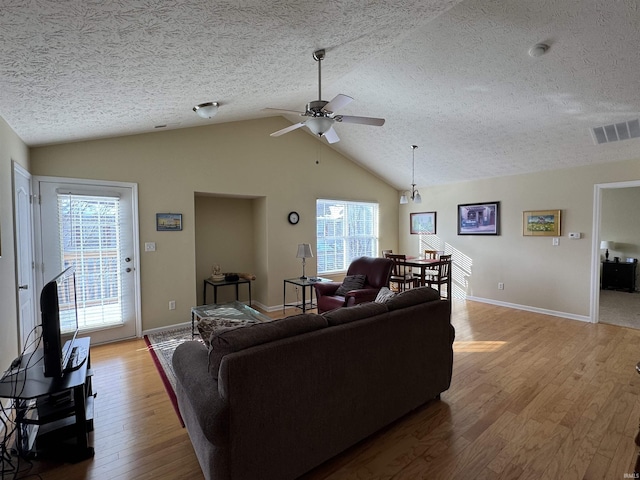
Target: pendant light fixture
415, 194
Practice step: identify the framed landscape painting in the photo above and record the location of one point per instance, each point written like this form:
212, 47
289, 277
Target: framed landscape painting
423, 223
541, 223
168, 222
479, 218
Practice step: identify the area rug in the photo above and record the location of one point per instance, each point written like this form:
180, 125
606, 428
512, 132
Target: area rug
161, 345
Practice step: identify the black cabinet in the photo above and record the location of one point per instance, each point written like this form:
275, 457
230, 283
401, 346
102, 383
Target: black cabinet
619, 276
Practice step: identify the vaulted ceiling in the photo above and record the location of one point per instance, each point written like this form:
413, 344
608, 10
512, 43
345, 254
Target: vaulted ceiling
453, 77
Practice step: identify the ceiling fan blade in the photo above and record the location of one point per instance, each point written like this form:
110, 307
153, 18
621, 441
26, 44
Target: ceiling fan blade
287, 130
378, 122
331, 136
280, 110
338, 102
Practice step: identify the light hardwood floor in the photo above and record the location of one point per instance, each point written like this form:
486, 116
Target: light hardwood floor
532, 397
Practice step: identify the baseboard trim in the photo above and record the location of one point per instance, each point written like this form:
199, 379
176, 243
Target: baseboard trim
544, 311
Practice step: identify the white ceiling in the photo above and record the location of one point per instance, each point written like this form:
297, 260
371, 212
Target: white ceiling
452, 77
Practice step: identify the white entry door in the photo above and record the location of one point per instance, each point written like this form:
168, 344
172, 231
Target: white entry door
93, 226
23, 215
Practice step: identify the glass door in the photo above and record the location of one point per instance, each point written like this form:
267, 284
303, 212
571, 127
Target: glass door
92, 227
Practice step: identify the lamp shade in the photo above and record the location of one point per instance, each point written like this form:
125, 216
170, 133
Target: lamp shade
417, 198
319, 125
606, 244
403, 199
304, 251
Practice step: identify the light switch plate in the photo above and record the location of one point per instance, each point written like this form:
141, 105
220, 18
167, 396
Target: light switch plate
150, 246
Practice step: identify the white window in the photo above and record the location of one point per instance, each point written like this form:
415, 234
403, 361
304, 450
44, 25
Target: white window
345, 230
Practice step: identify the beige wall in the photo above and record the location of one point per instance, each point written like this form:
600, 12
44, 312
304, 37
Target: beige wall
535, 273
237, 159
11, 149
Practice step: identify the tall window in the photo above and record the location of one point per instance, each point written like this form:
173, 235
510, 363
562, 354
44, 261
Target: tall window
345, 230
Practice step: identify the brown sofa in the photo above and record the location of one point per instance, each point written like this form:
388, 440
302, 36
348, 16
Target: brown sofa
376, 272
274, 400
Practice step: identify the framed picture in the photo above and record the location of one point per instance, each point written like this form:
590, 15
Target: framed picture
479, 218
422, 223
168, 222
541, 223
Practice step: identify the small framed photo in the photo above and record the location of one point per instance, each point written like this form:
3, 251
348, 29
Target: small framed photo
541, 223
479, 218
423, 223
168, 222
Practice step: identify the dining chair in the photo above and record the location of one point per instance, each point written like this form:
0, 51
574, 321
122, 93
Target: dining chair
431, 272
443, 276
401, 273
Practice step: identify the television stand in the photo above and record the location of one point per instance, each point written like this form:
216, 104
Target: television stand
54, 415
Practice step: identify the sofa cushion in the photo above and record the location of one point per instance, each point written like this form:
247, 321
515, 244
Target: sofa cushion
411, 297
384, 295
356, 312
232, 339
207, 326
351, 282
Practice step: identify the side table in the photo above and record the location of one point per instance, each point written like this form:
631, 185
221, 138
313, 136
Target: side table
302, 283
224, 283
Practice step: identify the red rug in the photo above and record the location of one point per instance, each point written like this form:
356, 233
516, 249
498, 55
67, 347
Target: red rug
161, 347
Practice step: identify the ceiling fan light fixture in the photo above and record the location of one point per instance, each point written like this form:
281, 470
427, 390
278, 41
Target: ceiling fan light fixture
207, 110
319, 125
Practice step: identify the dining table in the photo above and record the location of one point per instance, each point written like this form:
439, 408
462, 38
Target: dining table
422, 264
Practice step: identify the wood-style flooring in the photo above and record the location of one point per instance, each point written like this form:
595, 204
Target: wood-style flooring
532, 397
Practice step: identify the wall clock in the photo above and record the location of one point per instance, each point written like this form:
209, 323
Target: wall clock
293, 218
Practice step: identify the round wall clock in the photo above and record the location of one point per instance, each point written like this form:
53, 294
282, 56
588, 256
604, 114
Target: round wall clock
293, 218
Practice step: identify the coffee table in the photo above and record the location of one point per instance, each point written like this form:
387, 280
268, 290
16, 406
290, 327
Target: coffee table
226, 315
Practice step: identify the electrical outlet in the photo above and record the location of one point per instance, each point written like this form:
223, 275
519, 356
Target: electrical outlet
555, 242
500, 286
150, 247
172, 304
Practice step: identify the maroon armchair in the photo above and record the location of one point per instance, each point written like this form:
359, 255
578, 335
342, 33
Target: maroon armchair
376, 272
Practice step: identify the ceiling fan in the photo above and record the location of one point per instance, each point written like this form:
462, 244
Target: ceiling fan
321, 114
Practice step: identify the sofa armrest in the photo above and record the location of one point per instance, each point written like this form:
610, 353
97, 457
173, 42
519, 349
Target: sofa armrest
361, 295
196, 387
326, 288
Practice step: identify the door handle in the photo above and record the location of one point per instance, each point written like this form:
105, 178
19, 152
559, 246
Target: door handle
23, 287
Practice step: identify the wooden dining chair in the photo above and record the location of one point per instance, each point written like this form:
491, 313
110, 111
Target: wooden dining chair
431, 255
401, 274
443, 276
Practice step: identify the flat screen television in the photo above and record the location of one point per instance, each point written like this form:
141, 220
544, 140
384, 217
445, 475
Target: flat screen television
59, 313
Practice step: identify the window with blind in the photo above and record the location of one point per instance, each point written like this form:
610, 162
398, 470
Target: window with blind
345, 230
90, 241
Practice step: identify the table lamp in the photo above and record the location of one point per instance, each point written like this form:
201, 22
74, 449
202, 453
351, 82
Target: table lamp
304, 252
606, 245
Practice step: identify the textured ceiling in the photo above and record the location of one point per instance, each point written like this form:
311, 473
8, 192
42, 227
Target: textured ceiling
452, 77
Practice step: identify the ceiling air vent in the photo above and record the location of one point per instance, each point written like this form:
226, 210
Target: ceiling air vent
616, 132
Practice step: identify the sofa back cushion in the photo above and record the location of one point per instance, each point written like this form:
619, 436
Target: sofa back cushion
234, 339
351, 314
411, 297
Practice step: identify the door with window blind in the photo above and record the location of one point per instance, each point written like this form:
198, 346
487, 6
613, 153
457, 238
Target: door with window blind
93, 228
